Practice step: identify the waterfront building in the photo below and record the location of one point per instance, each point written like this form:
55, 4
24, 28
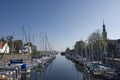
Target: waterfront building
27, 48
113, 43
4, 48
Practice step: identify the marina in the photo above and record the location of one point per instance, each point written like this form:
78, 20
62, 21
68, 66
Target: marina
52, 66
86, 61
96, 70
16, 69
59, 40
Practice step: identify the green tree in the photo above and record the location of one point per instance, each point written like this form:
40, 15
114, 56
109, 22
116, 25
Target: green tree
10, 42
18, 44
79, 46
67, 50
3, 39
111, 47
94, 37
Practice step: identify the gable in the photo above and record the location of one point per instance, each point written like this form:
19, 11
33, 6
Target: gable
2, 45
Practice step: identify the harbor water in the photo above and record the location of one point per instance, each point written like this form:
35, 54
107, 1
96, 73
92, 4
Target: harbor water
60, 69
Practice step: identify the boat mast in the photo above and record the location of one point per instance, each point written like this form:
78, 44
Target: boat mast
24, 33
86, 49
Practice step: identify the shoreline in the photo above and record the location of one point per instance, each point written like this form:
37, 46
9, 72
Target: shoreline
7, 57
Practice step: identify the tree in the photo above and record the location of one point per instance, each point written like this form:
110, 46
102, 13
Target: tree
94, 37
67, 50
2, 39
94, 43
18, 44
111, 47
10, 42
79, 46
94, 40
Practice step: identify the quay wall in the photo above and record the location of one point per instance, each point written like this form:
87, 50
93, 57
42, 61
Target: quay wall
6, 58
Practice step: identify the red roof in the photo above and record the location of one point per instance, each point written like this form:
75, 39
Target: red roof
1, 45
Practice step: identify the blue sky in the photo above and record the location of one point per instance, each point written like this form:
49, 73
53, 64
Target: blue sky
64, 21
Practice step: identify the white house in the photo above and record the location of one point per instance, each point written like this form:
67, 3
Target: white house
4, 48
27, 49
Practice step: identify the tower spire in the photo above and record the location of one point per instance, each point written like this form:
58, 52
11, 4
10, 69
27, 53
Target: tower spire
104, 25
104, 33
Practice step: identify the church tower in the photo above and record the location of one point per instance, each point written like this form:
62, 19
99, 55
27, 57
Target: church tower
104, 33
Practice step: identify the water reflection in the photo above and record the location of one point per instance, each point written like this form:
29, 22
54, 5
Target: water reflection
25, 76
60, 69
86, 74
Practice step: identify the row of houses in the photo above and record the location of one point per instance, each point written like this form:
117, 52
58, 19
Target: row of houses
4, 48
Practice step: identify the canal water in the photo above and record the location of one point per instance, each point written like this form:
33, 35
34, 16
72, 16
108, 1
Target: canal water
60, 69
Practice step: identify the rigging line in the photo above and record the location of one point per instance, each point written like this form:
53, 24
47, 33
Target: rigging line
47, 42
24, 32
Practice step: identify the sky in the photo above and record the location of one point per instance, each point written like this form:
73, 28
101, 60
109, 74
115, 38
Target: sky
63, 21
